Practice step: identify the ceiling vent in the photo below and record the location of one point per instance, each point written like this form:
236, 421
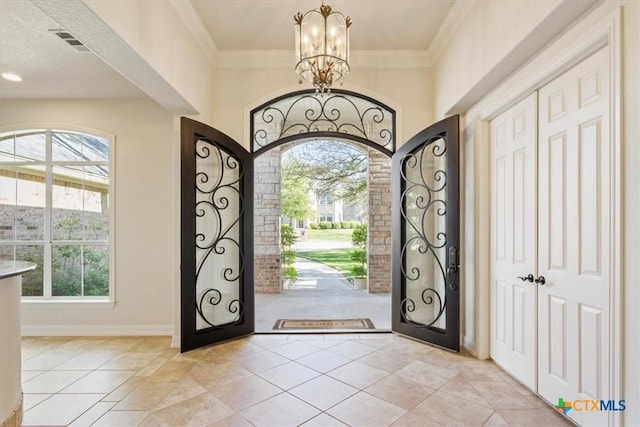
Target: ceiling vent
71, 40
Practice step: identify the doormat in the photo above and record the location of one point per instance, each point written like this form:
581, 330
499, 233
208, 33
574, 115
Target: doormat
323, 324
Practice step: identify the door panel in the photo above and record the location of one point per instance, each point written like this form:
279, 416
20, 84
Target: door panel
513, 241
216, 247
425, 294
573, 238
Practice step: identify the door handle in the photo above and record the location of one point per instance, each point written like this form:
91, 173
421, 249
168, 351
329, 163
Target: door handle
528, 278
540, 280
452, 267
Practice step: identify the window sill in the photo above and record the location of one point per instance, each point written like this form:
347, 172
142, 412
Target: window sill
66, 304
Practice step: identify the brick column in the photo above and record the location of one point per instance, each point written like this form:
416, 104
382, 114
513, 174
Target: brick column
379, 259
267, 222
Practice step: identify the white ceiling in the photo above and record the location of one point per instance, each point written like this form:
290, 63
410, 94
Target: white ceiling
49, 67
268, 24
52, 69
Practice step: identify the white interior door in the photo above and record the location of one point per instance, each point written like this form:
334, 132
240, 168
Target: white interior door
513, 241
574, 237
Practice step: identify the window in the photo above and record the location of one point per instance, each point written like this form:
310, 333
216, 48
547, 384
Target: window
325, 199
55, 210
326, 217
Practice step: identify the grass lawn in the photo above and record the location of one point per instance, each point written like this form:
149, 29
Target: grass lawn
340, 259
333, 235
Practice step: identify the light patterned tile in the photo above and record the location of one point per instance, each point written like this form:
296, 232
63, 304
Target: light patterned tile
533, 418
495, 420
295, 350
124, 389
99, 382
262, 361
323, 392
351, 349
48, 360
52, 381
246, 392
27, 375
363, 409
60, 409
92, 415
323, 361
145, 397
283, 410
402, 392
385, 360
289, 375
130, 362
121, 418
324, 344
232, 421
201, 410
212, 375
357, 374
31, 400
171, 372
441, 408
460, 388
501, 395
87, 361
185, 389
323, 420
431, 375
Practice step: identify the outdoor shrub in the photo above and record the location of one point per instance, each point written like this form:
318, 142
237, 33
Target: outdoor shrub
354, 224
335, 225
313, 226
324, 225
287, 236
287, 257
345, 224
290, 273
359, 236
359, 271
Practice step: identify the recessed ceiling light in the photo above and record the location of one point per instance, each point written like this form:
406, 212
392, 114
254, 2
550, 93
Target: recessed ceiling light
11, 77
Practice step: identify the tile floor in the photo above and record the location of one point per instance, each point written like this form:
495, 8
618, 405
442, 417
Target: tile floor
269, 380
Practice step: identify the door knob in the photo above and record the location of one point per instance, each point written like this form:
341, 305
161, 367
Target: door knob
528, 278
540, 280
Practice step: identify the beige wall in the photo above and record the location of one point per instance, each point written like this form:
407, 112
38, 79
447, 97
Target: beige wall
155, 31
407, 90
145, 213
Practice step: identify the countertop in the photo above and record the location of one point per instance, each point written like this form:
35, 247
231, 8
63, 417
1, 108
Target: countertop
15, 268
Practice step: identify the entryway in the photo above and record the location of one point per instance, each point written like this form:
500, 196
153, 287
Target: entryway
217, 251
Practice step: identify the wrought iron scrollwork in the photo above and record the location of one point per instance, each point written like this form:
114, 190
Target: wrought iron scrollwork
423, 253
338, 112
219, 209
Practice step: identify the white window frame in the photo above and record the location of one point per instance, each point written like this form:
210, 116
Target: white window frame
68, 301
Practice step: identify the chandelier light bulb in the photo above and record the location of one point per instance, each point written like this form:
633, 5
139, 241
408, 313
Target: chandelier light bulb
322, 46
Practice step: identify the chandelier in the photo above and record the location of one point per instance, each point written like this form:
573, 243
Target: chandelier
322, 47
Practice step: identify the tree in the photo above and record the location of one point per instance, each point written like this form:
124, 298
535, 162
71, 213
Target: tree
294, 193
330, 165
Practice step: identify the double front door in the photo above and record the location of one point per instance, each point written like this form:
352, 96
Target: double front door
217, 288
550, 238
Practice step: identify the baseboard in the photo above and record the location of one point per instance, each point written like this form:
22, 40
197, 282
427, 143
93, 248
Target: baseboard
175, 341
96, 330
469, 344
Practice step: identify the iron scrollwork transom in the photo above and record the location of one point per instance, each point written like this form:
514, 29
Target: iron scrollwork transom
423, 252
219, 209
339, 112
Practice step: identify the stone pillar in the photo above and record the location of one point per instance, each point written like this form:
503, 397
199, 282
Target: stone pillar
267, 222
379, 259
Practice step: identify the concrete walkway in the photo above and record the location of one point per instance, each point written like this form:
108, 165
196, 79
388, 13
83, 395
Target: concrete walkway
321, 292
318, 276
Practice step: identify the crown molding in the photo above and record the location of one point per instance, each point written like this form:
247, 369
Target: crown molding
286, 59
448, 28
359, 58
192, 21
